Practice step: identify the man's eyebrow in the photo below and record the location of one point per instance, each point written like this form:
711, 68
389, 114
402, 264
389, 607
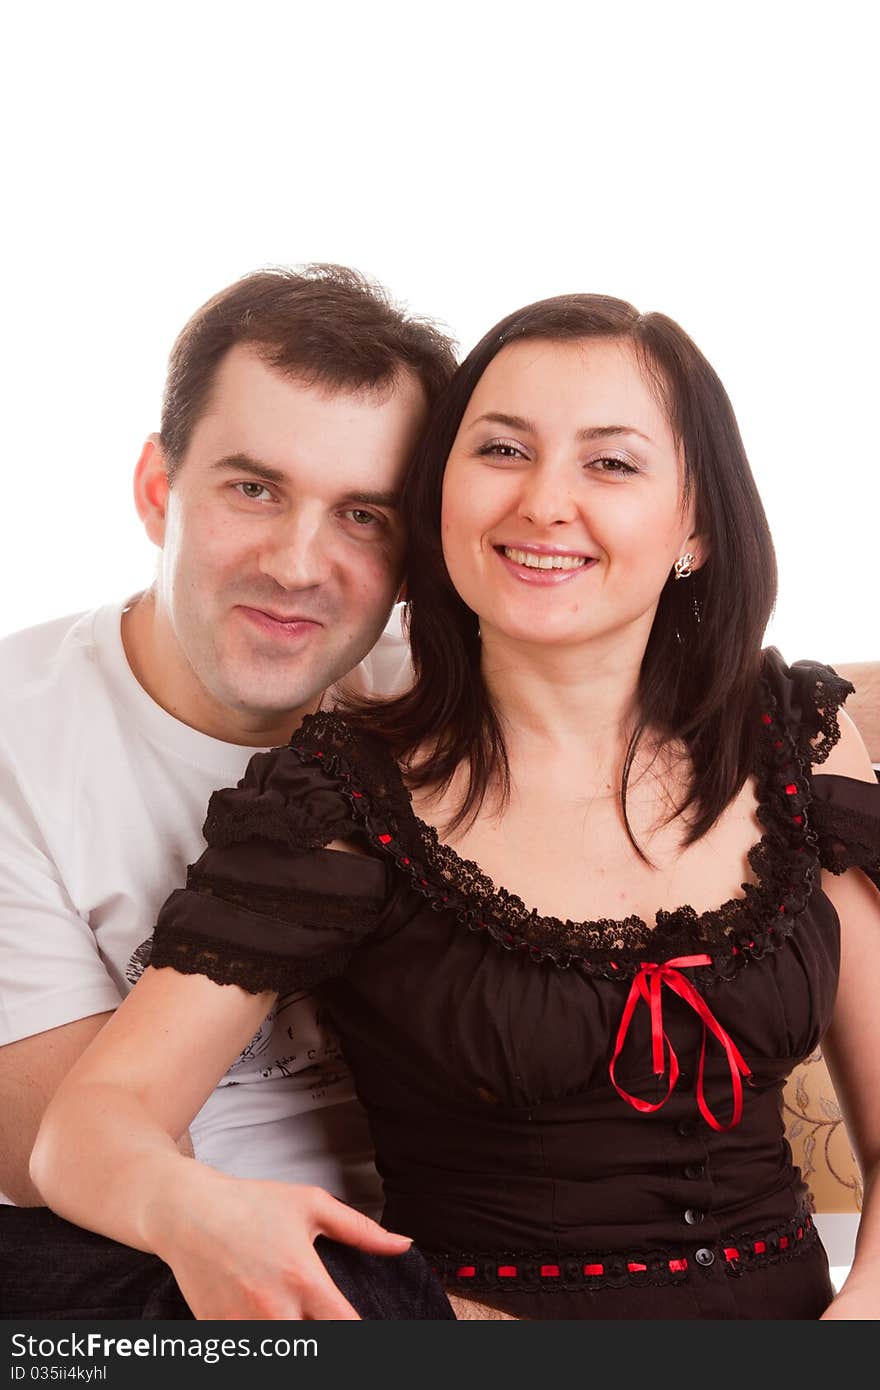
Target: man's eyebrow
243, 463
374, 499
518, 422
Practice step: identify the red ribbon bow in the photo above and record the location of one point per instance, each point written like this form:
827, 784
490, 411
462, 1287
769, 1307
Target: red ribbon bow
648, 986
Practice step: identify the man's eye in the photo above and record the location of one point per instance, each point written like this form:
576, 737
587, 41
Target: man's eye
253, 491
362, 517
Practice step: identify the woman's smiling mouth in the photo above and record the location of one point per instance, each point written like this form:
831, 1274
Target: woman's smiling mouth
539, 565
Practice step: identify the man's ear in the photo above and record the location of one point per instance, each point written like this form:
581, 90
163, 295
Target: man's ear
151, 489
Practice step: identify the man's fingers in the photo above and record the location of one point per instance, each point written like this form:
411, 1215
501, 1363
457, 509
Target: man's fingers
342, 1223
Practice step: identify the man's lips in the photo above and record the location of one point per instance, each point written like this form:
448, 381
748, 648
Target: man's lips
280, 625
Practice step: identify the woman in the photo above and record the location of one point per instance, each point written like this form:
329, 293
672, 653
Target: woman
575, 1105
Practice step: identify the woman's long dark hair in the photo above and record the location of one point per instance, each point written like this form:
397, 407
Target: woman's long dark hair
699, 675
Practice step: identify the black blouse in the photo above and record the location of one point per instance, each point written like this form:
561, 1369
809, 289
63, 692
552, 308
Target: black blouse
480, 1033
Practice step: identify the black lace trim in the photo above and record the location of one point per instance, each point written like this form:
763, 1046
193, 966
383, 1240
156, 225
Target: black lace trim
848, 839
230, 825
518, 1271
190, 953
825, 694
785, 863
315, 911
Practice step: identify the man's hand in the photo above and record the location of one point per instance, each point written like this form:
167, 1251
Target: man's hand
245, 1249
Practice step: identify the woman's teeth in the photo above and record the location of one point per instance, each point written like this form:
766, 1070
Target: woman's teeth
543, 562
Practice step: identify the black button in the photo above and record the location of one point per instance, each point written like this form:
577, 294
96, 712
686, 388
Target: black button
704, 1257
684, 1078
686, 1128
693, 1217
694, 1170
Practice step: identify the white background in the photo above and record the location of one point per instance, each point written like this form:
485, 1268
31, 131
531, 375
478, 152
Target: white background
715, 162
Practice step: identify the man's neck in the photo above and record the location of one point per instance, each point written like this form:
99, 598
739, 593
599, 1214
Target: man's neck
160, 667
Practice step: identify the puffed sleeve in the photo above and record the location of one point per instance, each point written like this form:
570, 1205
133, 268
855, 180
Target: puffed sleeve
268, 906
846, 819
844, 814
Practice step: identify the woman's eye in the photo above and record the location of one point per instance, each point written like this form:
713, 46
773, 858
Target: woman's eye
363, 518
253, 491
499, 448
609, 464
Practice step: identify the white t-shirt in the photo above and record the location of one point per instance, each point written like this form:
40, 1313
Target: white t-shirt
103, 795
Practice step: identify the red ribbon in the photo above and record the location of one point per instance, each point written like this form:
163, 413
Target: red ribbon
648, 986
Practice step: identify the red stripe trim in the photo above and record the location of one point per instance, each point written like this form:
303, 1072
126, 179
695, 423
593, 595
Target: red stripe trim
783, 1242
549, 1271
731, 1253
636, 1268
594, 1269
466, 1272
507, 1271
678, 1265
760, 1247
384, 839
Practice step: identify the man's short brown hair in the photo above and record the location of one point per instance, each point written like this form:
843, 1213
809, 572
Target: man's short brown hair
322, 324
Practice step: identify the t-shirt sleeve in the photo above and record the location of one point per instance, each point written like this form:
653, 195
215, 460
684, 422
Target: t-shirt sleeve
268, 906
51, 971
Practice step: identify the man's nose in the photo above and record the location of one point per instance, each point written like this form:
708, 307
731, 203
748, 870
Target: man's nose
296, 553
547, 498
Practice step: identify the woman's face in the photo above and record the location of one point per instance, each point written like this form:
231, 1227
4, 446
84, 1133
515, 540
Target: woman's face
562, 498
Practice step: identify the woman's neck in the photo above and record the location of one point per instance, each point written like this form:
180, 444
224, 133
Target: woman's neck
551, 700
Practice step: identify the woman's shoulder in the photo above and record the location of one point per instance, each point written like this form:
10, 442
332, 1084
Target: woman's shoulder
345, 748
843, 796
309, 791
808, 697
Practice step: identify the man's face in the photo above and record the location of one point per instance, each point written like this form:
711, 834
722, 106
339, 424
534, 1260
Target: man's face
282, 546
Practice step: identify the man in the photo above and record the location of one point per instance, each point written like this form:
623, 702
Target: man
292, 407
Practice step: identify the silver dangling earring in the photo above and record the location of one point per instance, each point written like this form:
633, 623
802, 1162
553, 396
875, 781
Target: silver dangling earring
683, 569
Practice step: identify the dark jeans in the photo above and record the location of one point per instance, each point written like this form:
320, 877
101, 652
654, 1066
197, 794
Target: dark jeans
51, 1269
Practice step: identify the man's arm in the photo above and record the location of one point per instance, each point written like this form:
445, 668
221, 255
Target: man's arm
239, 1248
55, 991
30, 1072
864, 706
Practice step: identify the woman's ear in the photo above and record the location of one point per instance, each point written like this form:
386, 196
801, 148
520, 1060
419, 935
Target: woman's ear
151, 489
697, 546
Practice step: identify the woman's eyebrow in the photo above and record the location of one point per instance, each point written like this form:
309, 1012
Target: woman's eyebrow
518, 422
603, 432
513, 422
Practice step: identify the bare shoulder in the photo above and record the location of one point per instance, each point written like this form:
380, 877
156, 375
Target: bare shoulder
849, 757
864, 705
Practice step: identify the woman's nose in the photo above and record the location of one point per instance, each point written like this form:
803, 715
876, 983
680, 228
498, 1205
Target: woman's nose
547, 498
